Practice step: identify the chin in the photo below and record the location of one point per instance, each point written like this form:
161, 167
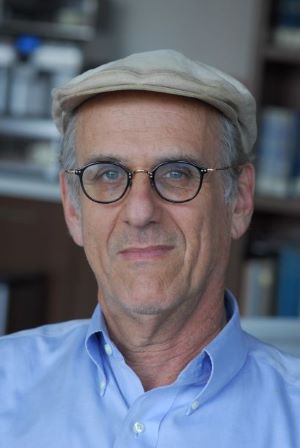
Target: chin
145, 310
148, 306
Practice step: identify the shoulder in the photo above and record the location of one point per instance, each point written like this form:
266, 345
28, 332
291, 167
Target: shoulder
41, 342
272, 363
35, 365
49, 331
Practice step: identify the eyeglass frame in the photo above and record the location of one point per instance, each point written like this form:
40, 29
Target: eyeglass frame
130, 174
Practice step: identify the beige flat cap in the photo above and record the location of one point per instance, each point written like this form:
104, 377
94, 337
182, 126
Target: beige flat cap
165, 71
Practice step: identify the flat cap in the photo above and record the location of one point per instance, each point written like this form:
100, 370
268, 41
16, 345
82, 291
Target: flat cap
165, 71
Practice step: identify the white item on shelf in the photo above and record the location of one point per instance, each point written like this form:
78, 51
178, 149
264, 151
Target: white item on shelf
7, 58
283, 333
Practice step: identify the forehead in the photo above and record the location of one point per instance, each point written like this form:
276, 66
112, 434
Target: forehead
148, 121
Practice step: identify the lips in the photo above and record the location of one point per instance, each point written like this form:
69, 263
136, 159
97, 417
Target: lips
145, 253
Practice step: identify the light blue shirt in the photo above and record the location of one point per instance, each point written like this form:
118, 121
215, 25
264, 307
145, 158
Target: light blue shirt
67, 386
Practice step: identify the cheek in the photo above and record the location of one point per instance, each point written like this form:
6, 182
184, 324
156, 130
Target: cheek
207, 234
95, 230
198, 245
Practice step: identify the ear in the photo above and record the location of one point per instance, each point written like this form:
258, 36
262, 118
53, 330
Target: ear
243, 203
72, 214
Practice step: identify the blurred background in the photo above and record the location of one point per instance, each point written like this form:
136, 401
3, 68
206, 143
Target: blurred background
44, 277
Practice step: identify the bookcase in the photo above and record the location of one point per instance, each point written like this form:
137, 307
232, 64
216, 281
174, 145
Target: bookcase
33, 234
44, 276
269, 283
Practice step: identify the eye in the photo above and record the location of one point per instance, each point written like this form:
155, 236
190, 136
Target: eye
109, 174
104, 173
177, 172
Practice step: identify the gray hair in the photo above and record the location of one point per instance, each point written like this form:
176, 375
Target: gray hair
67, 159
232, 154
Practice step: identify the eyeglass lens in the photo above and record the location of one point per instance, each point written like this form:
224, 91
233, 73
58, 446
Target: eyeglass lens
177, 181
104, 182
174, 181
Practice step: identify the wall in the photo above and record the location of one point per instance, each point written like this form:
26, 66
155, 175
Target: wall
218, 32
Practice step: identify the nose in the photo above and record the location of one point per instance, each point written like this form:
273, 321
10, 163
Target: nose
141, 205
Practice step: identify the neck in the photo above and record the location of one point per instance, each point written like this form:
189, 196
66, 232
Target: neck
157, 348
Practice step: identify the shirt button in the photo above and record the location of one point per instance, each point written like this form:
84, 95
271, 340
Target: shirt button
195, 405
108, 349
138, 427
102, 386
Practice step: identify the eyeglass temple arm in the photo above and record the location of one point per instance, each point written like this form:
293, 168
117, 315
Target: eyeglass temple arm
76, 171
210, 170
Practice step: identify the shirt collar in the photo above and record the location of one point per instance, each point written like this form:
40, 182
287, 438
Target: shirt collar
97, 337
227, 352
214, 367
93, 343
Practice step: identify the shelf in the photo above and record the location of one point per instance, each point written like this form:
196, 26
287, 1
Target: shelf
18, 187
33, 128
57, 31
285, 206
282, 54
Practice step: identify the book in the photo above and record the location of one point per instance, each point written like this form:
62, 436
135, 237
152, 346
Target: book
287, 23
294, 189
4, 298
258, 295
287, 13
288, 292
276, 151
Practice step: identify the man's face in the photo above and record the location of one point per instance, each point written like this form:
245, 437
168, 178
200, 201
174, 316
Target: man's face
151, 256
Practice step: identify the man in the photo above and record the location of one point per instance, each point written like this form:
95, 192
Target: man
156, 182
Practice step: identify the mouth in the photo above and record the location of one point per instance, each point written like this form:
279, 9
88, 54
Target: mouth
145, 253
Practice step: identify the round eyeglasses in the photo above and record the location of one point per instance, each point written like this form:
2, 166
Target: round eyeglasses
175, 181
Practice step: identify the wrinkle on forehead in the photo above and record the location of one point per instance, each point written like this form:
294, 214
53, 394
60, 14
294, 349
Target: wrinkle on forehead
122, 108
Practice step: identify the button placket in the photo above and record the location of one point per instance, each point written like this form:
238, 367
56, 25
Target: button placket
143, 422
102, 387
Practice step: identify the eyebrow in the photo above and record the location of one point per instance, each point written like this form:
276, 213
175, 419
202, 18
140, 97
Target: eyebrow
127, 162
104, 158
